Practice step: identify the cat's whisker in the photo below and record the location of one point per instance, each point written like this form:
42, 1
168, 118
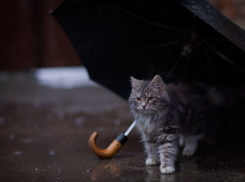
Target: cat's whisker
156, 110
138, 113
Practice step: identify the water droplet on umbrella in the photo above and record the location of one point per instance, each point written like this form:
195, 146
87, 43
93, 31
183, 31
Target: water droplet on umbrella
51, 152
79, 120
17, 153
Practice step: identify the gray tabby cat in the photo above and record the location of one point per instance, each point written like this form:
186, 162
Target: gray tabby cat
166, 114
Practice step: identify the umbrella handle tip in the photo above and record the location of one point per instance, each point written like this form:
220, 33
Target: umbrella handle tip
107, 153
95, 134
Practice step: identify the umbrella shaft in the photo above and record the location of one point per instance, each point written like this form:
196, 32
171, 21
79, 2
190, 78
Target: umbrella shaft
130, 128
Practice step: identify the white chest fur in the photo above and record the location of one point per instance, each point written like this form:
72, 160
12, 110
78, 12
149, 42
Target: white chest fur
145, 123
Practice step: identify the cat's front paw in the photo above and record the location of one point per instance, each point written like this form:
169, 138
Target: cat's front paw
166, 170
151, 161
188, 152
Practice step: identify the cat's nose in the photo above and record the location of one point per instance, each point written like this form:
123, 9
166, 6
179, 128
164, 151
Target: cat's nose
143, 106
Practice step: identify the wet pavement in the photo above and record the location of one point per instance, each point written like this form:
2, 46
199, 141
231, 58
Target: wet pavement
44, 136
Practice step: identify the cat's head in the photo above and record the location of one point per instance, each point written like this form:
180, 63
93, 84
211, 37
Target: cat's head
148, 96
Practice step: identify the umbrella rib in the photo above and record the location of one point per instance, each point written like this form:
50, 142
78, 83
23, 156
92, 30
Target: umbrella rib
148, 21
173, 68
157, 46
196, 44
144, 48
225, 58
187, 65
158, 7
209, 60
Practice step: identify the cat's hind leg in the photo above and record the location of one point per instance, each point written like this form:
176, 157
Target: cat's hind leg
191, 142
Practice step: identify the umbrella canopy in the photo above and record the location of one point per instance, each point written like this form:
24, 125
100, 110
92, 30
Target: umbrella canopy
182, 39
119, 39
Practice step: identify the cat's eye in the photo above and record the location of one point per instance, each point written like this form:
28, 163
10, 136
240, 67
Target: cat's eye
138, 99
150, 98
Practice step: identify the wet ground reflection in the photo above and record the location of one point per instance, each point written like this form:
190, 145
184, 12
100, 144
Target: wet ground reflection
44, 137
155, 175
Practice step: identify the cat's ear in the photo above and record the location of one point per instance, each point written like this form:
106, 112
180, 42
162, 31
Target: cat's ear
135, 84
157, 83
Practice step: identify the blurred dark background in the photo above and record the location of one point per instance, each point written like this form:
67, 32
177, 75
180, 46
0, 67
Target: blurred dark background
32, 38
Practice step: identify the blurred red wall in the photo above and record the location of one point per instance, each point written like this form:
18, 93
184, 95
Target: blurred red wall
232, 9
31, 37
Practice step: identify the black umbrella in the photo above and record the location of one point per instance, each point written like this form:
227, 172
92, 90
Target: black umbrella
182, 39
118, 39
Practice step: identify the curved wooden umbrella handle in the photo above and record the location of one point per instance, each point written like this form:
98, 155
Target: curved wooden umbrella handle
110, 151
